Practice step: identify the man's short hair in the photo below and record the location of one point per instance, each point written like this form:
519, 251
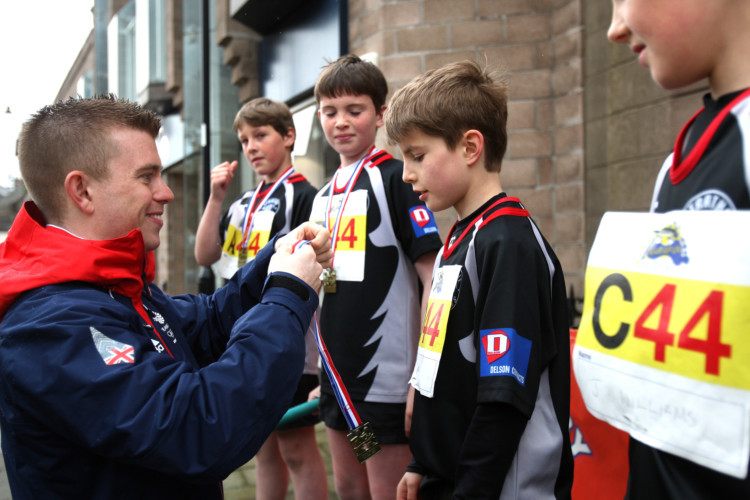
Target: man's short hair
448, 101
74, 134
350, 75
263, 111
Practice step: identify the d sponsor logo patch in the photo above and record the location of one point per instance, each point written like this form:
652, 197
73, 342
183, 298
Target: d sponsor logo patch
504, 353
422, 221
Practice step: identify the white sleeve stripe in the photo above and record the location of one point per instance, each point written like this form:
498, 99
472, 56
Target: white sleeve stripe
540, 241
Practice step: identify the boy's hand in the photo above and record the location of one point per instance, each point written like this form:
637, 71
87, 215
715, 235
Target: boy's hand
301, 262
317, 235
221, 179
408, 487
314, 394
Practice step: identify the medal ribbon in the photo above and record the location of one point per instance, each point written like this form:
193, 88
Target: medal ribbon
347, 190
247, 220
339, 390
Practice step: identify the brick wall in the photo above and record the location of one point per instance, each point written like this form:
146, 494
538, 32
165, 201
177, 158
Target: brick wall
539, 46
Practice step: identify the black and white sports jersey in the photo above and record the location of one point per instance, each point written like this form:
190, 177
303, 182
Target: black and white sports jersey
370, 324
710, 166
291, 205
505, 340
709, 170
285, 208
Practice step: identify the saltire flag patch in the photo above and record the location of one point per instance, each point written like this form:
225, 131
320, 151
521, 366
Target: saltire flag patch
111, 351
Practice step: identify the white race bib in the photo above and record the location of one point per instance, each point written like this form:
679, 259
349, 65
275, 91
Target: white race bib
432, 334
663, 349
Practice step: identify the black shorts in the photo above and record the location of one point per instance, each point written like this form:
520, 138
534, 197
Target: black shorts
386, 419
306, 384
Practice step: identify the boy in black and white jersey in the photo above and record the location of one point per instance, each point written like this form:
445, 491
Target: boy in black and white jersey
682, 42
492, 372
385, 244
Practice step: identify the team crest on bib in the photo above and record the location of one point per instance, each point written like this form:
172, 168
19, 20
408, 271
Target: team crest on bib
668, 242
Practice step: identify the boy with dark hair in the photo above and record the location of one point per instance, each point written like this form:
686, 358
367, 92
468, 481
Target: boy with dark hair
281, 201
109, 388
385, 243
492, 375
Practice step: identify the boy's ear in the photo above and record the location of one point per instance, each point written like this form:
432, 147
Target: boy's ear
379, 122
473, 144
290, 137
77, 186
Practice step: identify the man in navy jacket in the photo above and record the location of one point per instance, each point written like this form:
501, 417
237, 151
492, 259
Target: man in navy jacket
109, 388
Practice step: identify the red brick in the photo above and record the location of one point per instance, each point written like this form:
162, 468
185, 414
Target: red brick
529, 144
476, 33
521, 115
448, 10
422, 38
515, 57
518, 173
528, 27
530, 84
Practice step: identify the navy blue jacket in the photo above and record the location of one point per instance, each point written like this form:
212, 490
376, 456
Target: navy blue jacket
112, 389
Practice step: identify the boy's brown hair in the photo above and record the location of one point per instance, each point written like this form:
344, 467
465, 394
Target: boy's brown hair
447, 101
350, 75
263, 111
74, 134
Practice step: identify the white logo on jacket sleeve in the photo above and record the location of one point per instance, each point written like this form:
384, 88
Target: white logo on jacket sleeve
111, 351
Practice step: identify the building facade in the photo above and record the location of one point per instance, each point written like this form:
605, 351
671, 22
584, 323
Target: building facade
588, 128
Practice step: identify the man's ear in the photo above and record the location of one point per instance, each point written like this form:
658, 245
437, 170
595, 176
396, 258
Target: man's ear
473, 144
77, 186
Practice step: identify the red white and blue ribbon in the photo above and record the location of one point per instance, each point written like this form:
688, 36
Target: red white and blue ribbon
339, 390
347, 190
247, 220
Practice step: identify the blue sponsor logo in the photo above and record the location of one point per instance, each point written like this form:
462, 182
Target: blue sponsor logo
504, 353
422, 221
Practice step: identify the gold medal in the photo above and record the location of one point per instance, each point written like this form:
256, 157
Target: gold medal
363, 441
329, 281
242, 257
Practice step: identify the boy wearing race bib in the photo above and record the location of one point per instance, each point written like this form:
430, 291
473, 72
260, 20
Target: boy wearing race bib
385, 244
281, 201
492, 375
682, 42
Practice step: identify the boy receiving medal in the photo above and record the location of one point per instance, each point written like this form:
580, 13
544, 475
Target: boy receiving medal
385, 243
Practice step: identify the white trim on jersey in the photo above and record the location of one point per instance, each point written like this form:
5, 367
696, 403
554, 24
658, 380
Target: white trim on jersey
660, 181
741, 113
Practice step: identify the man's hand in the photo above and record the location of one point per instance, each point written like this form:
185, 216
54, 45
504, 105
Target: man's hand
301, 263
319, 237
408, 487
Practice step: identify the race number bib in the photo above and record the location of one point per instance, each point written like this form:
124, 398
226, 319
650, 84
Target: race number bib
432, 335
662, 350
260, 233
349, 251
